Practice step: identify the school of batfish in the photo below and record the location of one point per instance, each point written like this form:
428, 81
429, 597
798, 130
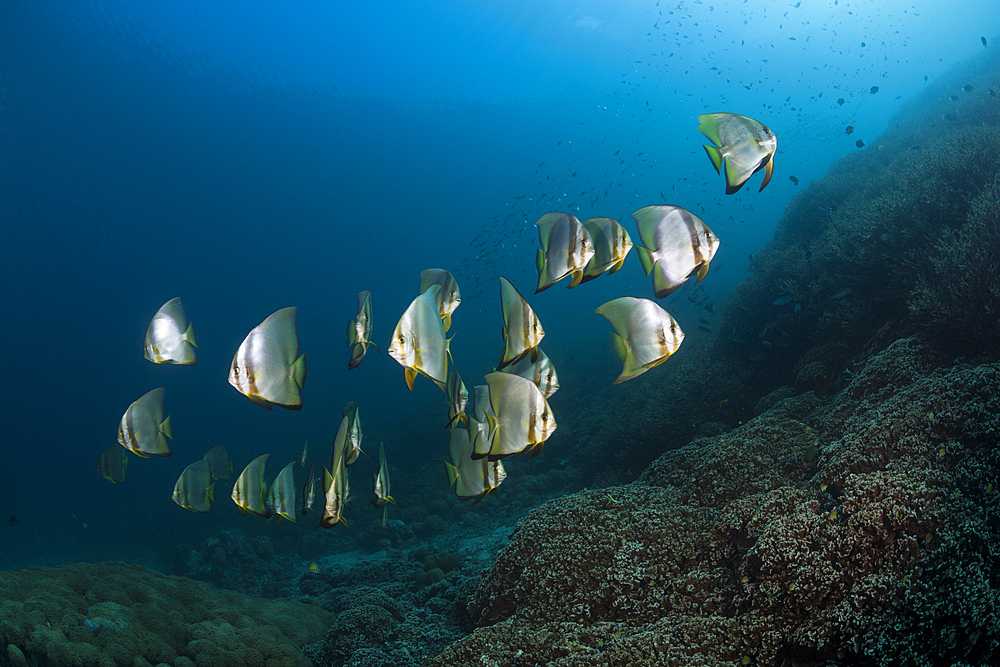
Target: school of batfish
507, 415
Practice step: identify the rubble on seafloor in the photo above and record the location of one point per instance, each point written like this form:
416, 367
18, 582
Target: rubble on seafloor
122, 615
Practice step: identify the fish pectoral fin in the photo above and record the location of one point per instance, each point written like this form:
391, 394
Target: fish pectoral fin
446, 322
702, 271
616, 266
768, 169
619, 345
645, 259
409, 374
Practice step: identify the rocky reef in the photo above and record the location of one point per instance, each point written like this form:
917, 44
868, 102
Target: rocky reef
828, 491
120, 615
854, 530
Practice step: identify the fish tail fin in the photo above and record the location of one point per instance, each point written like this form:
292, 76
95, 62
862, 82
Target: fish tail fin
189, 335
645, 259
715, 155
299, 371
166, 429
211, 492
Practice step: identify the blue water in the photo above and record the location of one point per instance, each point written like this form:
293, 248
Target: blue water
247, 158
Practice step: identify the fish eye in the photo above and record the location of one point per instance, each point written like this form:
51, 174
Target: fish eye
236, 369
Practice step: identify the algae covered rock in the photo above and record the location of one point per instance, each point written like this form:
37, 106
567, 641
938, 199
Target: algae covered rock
120, 615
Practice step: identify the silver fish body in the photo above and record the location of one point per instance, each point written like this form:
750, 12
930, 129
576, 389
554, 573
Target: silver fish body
540, 371
743, 146
645, 335
473, 479
113, 464
170, 338
267, 367
418, 341
447, 298
220, 462
522, 331
281, 496
523, 420
195, 488
359, 330
611, 246
250, 490
676, 244
566, 247
143, 429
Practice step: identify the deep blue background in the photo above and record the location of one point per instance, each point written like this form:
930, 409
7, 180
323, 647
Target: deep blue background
251, 156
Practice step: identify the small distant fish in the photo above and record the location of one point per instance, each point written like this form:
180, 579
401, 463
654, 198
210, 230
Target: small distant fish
522, 332
541, 372
743, 146
281, 495
793, 180
874, 90
143, 428
458, 397
645, 335
968, 88
220, 462
953, 98
359, 330
12, 520
859, 143
710, 308
950, 118
352, 425
250, 489
705, 329
267, 367
983, 40
380, 484
611, 246
992, 92
170, 337
418, 341
305, 452
566, 248
841, 101
842, 293
195, 489
113, 464
850, 129
335, 492
676, 244
447, 298
309, 491
782, 300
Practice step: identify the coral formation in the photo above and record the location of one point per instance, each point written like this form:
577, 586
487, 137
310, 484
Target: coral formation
114, 614
821, 530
